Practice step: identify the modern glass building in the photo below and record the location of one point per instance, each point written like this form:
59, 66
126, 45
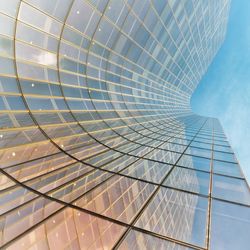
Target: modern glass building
99, 148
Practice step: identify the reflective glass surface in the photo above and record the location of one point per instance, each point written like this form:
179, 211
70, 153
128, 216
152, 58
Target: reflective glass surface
72, 229
119, 198
230, 226
194, 162
148, 170
137, 240
177, 215
227, 168
97, 137
231, 189
189, 180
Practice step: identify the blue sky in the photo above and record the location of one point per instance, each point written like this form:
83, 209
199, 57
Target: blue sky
224, 91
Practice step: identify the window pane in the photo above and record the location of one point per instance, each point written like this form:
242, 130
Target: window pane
199, 152
224, 156
223, 148
163, 156
119, 198
148, 170
145, 241
178, 215
231, 189
71, 229
230, 226
226, 168
194, 162
173, 147
190, 180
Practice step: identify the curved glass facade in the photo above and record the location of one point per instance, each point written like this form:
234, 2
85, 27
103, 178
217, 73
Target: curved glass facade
99, 148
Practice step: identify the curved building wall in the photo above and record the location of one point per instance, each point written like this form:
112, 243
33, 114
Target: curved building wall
99, 146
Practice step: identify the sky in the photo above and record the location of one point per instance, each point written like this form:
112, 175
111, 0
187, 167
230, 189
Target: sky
224, 91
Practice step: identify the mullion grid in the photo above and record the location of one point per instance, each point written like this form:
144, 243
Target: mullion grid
130, 226
65, 204
148, 202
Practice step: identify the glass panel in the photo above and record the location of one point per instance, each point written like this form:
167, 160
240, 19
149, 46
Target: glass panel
43, 22
226, 168
190, 180
14, 197
194, 162
5, 182
173, 147
199, 152
10, 8
102, 159
224, 156
27, 215
59, 177
119, 198
32, 169
231, 189
201, 145
147, 170
178, 215
163, 156
120, 163
230, 226
223, 148
56, 8
136, 240
71, 229
78, 187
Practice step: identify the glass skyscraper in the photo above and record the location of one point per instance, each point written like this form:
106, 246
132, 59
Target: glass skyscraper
99, 148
